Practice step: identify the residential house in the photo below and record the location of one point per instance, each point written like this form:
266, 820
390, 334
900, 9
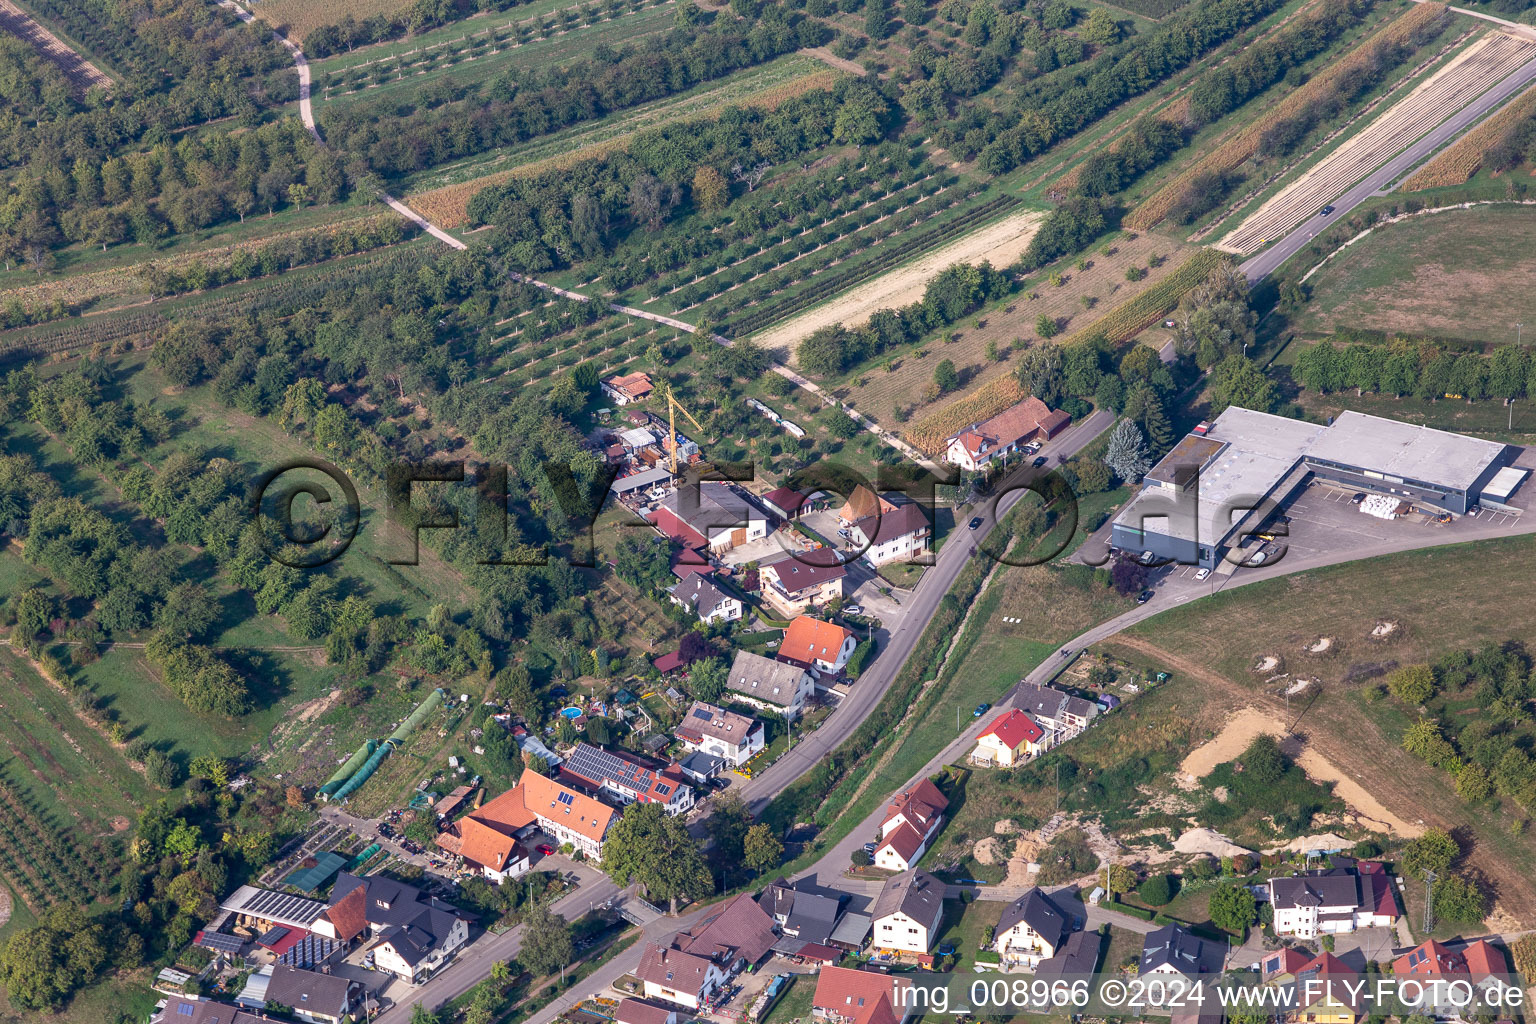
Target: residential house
568, 815
909, 912
1077, 957
196, 1010
776, 686
725, 734
1173, 950
631, 387
704, 597
1058, 712
862, 504
901, 535
630, 779
486, 846
1010, 430
411, 934
700, 767
638, 1011
806, 921
814, 644
1012, 738
1479, 963
1032, 929
801, 582
318, 998
913, 818
1378, 897
1280, 967
845, 996
1327, 991
1307, 906
674, 976
714, 511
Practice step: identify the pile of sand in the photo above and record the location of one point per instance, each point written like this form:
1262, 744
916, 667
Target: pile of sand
1321, 645
1006, 827
1204, 840
987, 852
1240, 730
1267, 663
1382, 630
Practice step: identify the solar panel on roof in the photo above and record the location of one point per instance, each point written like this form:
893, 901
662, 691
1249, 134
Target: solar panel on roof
566, 798
705, 715
221, 942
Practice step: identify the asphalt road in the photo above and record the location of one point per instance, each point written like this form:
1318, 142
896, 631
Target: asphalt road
877, 678
1381, 180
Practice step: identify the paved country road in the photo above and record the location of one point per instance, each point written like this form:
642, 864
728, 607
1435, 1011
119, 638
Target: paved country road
1381, 180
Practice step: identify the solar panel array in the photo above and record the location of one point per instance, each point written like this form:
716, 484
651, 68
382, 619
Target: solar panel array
597, 764
308, 951
221, 942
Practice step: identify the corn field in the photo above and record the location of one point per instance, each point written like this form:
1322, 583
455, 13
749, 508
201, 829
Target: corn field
987, 401
1136, 314
1456, 164
1245, 142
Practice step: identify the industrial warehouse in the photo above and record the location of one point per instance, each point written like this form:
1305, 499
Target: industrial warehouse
1241, 467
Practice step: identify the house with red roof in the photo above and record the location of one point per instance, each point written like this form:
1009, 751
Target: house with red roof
847, 996
981, 443
1012, 738
1473, 962
799, 583
1281, 965
631, 387
1327, 991
911, 822
813, 643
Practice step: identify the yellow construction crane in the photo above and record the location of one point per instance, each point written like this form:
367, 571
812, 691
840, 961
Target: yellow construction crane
673, 405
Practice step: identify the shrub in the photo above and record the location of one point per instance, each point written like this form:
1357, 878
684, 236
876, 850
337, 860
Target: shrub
1157, 890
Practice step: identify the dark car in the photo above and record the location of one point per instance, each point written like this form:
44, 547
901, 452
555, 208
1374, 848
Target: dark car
1040, 460
869, 848
981, 709
1325, 211
1357, 498
1144, 597
975, 523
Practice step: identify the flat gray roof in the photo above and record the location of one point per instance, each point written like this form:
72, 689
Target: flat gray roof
1259, 452
1406, 450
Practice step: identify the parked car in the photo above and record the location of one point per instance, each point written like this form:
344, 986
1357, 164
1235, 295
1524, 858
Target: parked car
853, 609
1259, 558
1144, 597
1202, 574
981, 709
1040, 460
546, 849
1147, 557
869, 848
975, 523
1357, 498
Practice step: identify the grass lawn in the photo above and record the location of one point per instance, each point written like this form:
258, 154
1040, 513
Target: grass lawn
1461, 273
1124, 948
794, 1004
969, 927
1449, 598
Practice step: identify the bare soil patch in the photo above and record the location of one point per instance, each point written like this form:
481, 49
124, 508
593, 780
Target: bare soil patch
1000, 243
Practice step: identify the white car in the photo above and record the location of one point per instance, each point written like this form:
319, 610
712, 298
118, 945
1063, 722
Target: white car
1202, 574
1258, 559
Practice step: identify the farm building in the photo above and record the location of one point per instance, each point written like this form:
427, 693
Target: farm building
1252, 462
632, 387
714, 511
1007, 432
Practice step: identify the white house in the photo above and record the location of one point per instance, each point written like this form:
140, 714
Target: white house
630, 779
1007, 432
413, 935
911, 822
1012, 738
897, 536
1031, 929
706, 599
677, 977
813, 643
725, 734
771, 685
631, 387
1062, 714
908, 913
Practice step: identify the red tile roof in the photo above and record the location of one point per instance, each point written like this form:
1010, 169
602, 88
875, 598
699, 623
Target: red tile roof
638, 1011
670, 662
1010, 426
862, 997
905, 840
1328, 978
1429, 959
920, 804
1289, 960
1014, 729
786, 499
1485, 958
665, 520
808, 639
536, 795
349, 915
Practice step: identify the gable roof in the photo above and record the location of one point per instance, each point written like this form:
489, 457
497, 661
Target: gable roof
903, 521
349, 915
1483, 957
808, 639
785, 499
1430, 958
327, 994
708, 720
634, 386
699, 593
1186, 953
862, 996
719, 507
1040, 913
1048, 702
195, 1010
917, 894
863, 503
765, 679
649, 784
920, 803
740, 929
638, 1011
1078, 955
672, 968
536, 795
1008, 427
905, 840
1282, 961
1331, 890
1323, 979
801, 572
1013, 729
482, 844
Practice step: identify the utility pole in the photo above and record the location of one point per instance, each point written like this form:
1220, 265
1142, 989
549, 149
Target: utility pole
1429, 901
